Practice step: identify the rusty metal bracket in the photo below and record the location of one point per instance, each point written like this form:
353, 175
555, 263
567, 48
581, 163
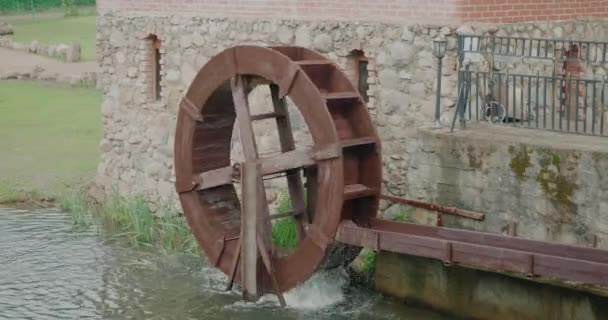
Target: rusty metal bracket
435, 207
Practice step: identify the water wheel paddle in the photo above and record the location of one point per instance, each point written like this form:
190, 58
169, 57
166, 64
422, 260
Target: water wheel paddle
337, 177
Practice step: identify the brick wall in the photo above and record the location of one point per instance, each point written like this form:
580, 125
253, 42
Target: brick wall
498, 11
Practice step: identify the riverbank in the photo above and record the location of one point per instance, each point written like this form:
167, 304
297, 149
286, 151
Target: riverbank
50, 135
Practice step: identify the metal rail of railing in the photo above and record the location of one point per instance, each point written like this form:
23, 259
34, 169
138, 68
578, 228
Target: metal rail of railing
591, 51
534, 101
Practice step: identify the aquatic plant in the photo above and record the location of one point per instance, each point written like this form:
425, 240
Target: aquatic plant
133, 220
284, 232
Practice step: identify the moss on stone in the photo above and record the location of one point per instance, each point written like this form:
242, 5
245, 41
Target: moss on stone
554, 183
520, 161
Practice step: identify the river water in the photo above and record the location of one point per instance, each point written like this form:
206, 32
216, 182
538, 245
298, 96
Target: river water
48, 270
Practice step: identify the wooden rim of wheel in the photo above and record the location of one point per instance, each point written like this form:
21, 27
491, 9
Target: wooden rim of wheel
342, 167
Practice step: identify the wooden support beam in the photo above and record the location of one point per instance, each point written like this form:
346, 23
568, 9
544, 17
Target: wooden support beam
268, 264
247, 137
234, 265
294, 180
251, 199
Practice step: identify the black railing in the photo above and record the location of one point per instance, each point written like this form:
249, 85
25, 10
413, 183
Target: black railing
590, 51
559, 98
534, 101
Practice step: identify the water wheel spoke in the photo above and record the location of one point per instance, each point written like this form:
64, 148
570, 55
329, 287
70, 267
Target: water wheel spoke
243, 118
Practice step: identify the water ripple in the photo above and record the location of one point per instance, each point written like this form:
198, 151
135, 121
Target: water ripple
50, 271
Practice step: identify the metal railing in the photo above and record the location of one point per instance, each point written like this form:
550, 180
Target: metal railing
517, 47
533, 101
557, 99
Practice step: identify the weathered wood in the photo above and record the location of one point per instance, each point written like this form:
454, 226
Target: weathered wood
251, 199
269, 115
287, 161
435, 207
358, 142
243, 119
215, 178
247, 137
190, 109
268, 264
234, 265
294, 180
352, 191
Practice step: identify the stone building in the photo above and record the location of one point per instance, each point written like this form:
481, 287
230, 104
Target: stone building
149, 52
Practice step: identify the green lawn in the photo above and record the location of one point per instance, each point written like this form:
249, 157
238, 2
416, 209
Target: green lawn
49, 138
56, 30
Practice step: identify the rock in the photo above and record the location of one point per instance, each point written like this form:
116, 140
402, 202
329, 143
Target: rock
405, 75
392, 100
426, 59
323, 42
558, 33
401, 53
389, 79
73, 52
465, 29
173, 75
10, 75
34, 45
285, 35
407, 36
61, 51
185, 41
120, 57
117, 39
198, 40
51, 51
418, 90
303, 38
132, 72
6, 29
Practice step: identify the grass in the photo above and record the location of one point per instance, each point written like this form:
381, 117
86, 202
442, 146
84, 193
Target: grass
49, 138
56, 30
133, 220
284, 231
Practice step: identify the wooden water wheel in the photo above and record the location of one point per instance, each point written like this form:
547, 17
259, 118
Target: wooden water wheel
337, 177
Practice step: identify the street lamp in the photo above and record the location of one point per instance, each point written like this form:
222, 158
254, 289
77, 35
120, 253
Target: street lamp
439, 46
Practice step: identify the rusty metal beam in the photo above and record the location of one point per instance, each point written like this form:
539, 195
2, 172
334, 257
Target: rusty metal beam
477, 249
435, 207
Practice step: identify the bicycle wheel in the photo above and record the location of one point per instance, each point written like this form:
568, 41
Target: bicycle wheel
494, 112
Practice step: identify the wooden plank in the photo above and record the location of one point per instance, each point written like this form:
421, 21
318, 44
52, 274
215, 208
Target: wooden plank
294, 180
247, 137
269, 115
268, 264
313, 62
352, 191
234, 265
287, 161
243, 119
358, 142
215, 178
190, 109
251, 199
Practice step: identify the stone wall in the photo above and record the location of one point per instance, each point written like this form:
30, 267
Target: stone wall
476, 294
138, 129
553, 186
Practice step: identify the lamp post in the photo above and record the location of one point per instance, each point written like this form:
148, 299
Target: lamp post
439, 46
